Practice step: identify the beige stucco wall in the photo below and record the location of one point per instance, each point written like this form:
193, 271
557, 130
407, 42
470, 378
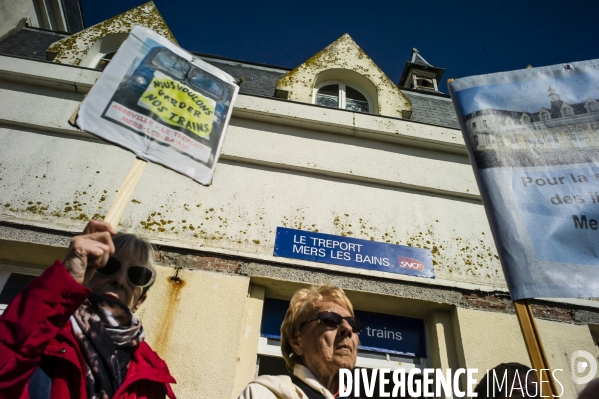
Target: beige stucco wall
442, 343
561, 340
14, 14
245, 368
196, 326
349, 63
491, 338
488, 339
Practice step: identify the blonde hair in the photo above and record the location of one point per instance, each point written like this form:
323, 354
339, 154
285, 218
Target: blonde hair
303, 303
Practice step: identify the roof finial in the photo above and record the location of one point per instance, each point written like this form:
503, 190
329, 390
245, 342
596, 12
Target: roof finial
553, 94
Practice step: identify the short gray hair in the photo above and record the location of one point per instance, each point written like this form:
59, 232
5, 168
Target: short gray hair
132, 246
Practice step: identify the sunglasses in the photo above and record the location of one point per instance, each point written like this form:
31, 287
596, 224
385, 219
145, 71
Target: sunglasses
140, 276
333, 320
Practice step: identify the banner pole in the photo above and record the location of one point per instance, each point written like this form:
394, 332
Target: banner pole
115, 213
534, 346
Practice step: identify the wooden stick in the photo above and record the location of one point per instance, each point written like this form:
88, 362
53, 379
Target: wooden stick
115, 213
534, 346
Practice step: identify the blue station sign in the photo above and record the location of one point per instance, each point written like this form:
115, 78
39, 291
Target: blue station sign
354, 252
382, 332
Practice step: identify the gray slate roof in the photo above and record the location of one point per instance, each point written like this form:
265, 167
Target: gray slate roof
262, 80
432, 109
30, 43
259, 79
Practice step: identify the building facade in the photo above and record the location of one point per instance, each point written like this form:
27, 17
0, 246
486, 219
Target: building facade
332, 146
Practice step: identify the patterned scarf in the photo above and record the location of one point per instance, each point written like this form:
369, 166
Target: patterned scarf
106, 331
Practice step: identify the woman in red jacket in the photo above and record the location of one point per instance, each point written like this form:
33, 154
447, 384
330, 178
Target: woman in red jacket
72, 333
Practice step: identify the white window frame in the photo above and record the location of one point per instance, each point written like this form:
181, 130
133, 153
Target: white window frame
6, 271
342, 86
101, 55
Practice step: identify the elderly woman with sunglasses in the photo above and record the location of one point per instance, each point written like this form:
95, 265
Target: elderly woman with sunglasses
319, 336
72, 333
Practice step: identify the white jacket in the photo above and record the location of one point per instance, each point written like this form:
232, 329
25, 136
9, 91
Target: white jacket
281, 387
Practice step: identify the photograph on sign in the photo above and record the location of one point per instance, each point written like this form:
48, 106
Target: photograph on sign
163, 104
353, 252
533, 139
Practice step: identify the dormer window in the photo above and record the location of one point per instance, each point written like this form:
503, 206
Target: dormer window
567, 111
344, 96
545, 116
525, 119
424, 83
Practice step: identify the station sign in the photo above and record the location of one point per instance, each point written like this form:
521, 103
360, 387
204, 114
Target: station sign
382, 332
353, 252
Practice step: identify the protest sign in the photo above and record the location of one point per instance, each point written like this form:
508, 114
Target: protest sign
163, 104
533, 139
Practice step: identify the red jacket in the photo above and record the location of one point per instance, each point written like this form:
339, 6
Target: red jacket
36, 324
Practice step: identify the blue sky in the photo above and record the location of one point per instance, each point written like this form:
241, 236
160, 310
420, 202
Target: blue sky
465, 37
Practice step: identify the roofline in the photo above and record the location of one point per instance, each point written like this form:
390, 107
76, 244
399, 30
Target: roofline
60, 32
217, 57
425, 92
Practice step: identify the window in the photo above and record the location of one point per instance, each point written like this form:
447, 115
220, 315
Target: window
12, 281
104, 59
577, 138
551, 138
270, 362
544, 116
473, 125
380, 350
424, 83
593, 107
533, 140
341, 95
567, 111
485, 123
525, 119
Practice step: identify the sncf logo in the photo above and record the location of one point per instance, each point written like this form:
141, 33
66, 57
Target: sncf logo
410, 264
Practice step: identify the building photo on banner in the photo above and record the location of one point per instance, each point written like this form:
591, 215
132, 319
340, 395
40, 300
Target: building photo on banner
445, 231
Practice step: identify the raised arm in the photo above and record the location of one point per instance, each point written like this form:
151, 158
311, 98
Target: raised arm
43, 308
